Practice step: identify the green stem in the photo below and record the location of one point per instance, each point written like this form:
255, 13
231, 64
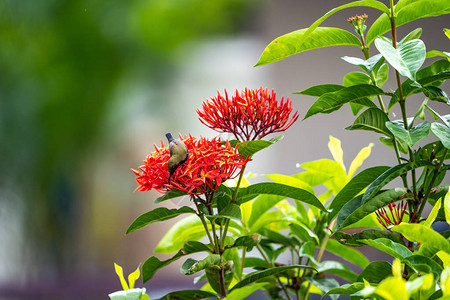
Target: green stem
271, 265
430, 186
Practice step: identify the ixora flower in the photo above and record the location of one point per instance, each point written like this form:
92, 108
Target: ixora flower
209, 164
394, 216
249, 115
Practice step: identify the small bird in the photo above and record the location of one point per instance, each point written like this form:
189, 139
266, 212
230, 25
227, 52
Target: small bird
179, 153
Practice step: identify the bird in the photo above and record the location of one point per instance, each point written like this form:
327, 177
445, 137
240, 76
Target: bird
179, 153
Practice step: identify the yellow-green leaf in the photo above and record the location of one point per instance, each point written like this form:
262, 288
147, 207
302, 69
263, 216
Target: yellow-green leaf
133, 277
336, 150
393, 288
119, 272
447, 206
445, 257
433, 214
359, 159
445, 282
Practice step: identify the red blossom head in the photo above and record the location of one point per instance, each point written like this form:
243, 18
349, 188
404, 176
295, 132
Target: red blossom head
392, 217
249, 115
209, 164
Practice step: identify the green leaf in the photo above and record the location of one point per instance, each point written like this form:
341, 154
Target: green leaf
373, 205
355, 239
265, 273
292, 181
390, 175
376, 271
354, 187
248, 241
411, 136
346, 289
303, 233
422, 264
372, 119
390, 247
261, 205
424, 235
359, 159
189, 295
382, 75
187, 229
393, 288
271, 188
319, 90
249, 148
436, 53
336, 268
330, 102
231, 211
355, 78
407, 11
301, 40
415, 34
323, 284
388, 141
406, 59
366, 65
153, 264
131, 294
444, 119
170, 195
156, 215
350, 254
442, 132
245, 291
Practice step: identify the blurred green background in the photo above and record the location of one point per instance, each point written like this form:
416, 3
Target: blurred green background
88, 86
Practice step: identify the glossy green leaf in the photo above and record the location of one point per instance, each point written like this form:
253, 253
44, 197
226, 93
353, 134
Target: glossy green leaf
366, 65
265, 273
411, 136
354, 240
330, 102
189, 295
323, 284
355, 78
422, 264
390, 247
376, 271
319, 90
249, 148
442, 132
170, 195
382, 75
436, 53
231, 211
303, 233
292, 181
407, 11
350, 254
346, 289
248, 241
157, 215
444, 119
388, 141
270, 188
406, 59
390, 175
372, 205
424, 235
445, 282
261, 205
301, 40
336, 268
436, 94
256, 263
415, 34
187, 229
153, 264
245, 291
353, 188
372, 119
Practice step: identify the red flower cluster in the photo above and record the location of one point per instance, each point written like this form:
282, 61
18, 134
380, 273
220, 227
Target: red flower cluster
209, 164
395, 216
250, 115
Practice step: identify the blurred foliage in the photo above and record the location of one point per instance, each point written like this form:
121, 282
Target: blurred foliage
60, 63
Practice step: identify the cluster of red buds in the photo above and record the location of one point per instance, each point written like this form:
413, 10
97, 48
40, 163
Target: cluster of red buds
392, 217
